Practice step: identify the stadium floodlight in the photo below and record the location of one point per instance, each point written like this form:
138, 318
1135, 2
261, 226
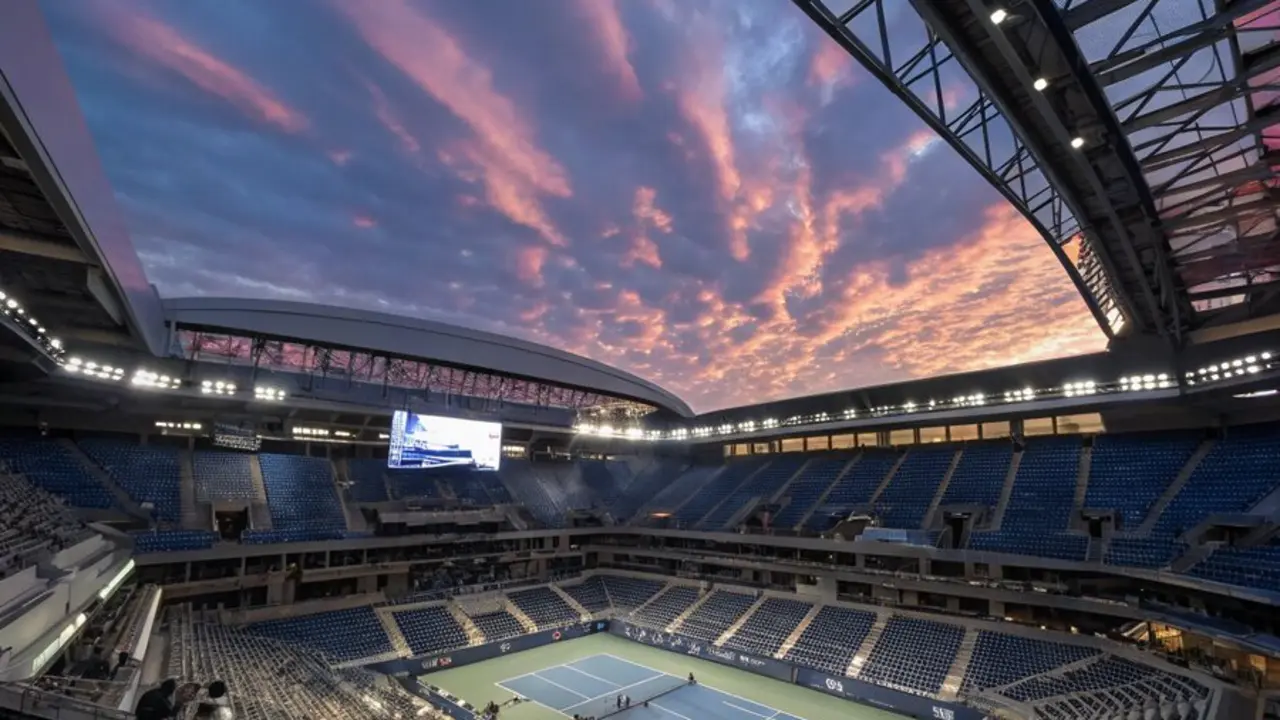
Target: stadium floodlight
156, 381
383, 436
179, 425
1077, 142
310, 432
998, 16
217, 387
635, 433
92, 369
770, 423
1040, 84
264, 392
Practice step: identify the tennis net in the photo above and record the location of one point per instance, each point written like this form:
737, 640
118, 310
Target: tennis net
640, 693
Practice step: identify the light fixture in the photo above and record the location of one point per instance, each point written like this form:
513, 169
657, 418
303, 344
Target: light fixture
149, 379
1040, 84
998, 16
1077, 142
263, 392
217, 387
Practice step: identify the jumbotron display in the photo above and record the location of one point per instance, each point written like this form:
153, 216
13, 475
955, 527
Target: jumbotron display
432, 441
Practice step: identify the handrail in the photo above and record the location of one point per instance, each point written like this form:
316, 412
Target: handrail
34, 701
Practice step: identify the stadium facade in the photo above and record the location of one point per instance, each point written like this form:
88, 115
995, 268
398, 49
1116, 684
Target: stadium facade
1087, 537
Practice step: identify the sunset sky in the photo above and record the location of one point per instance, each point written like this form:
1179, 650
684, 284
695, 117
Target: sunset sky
707, 193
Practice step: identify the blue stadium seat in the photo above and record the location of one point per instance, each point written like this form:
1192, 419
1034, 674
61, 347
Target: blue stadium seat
913, 655
831, 640
148, 473
716, 614
718, 489
430, 629
980, 475
150, 541
855, 488
769, 626
341, 634
1035, 521
909, 494
223, 476
762, 485
368, 480
302, 498
808, 487
53, 468
1000, 659
544, 607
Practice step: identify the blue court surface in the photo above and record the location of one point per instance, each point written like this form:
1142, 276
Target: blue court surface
590, 687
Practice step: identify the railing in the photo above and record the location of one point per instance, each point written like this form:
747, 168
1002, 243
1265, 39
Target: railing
33, 701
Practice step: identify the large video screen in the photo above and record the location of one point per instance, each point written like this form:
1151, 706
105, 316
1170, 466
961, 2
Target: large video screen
431, 441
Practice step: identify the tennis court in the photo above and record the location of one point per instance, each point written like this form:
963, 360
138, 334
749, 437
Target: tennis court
590, 687
722, 692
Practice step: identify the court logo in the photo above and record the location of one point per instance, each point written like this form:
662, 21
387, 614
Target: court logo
941, 713
505, 647
555, 635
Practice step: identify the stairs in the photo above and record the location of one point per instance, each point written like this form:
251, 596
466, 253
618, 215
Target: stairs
827, 493
787, 485
123, 500
888, 478
354, 520
1097, 549
474, 636
868, 643
389, 624
728, 496
195, 515
930, 514
1082, 483
568, 600
674, 625
1193, 556
259, 512
955, 676
673, 490
794, 637
1174, 488
1006, 492
644, 604
733, 629
526, 622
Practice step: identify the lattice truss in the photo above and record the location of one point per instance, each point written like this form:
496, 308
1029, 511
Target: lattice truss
891, 40
1167, 220
352, 366
1193, 84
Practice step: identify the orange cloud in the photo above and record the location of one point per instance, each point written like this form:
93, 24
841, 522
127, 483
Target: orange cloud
503, 151
830, 65
167, 48
529, 261
614, 41
390, 120
364, 222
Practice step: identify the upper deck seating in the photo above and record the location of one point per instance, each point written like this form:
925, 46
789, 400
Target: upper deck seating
980, 475
909, 494
856, 487
222, 476
368, 480
1035, 521
808, 487
718, 489
762, 485
302, 497
49, 465
149, 473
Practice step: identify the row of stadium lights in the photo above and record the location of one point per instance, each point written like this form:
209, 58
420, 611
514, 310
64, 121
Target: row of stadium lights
150, 380
998, 16
12, 309
1247, 365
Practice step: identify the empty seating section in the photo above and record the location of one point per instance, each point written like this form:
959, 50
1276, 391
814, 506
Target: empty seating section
627, 593
715, 615
600, 481
1129, 472
761, 485
56, 469
531, 491
1035, 521
768, 627
913, 655
342, 634
32, 521
645, 486
406, 484
666, 607
490, 487
832, 638
574, 492
149, 541
980, 475
1000, 659
468, 486
1109, 671
301, 496
222, 477
1238, 471
590, 594
720, 488
808, 487
150, 474
908, 495
430, 629
368, 481
682, 489
1256, 567
498, 625
272, 680
544, 607
855, 488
